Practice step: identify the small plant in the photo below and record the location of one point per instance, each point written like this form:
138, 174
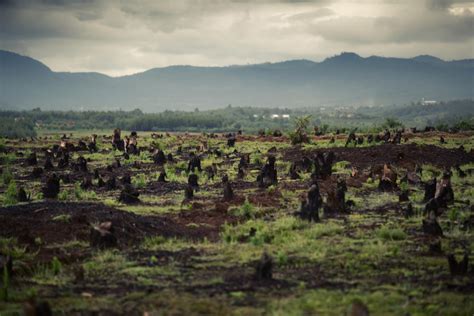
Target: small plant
56, 266
6, 176
7, 159
257, 159
247, 210
453, 215
10, 196
387, 233
63, 195
403, 186
80, 194
65, 218
140, 181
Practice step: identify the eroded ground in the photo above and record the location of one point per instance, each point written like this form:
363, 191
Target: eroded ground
199, 256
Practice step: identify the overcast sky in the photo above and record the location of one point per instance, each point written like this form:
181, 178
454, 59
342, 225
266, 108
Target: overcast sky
124, 37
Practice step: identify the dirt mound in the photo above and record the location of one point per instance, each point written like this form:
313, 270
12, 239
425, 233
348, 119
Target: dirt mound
406, 156
58, 222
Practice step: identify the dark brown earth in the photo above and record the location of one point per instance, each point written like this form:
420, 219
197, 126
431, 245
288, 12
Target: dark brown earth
407, 155
36, 219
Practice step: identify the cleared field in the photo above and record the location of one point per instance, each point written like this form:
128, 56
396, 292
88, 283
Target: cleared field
145, 245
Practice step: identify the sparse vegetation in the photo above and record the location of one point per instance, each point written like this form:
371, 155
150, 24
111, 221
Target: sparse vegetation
186, 249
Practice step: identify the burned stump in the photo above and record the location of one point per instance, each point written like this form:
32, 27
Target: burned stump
102, 236
129, 195
264, 268
309, 209
51, 188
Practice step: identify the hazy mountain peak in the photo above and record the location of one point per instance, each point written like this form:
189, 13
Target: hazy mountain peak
344, 57
10, 61
428, 59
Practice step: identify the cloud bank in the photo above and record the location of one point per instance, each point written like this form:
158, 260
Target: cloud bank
124, 37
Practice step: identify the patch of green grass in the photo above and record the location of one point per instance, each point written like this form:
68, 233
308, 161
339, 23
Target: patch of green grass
65, 218
391, 233
10, 195
83, 195
246, 210
140, 180
105, 263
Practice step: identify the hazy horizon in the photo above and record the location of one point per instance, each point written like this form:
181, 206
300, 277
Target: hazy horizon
237, 65
123, 38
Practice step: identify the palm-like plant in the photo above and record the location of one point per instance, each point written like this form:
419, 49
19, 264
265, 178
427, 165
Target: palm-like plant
300, 134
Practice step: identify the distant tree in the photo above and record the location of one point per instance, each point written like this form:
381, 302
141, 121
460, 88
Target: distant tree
392, 123
300, 134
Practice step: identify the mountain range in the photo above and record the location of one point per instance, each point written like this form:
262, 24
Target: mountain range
342, 80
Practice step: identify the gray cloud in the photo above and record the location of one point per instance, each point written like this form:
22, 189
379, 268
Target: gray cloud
118, 37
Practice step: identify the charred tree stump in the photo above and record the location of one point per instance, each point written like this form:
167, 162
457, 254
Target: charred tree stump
194, 163
309, 209
159, 158
111, 183
21, 195
430, 190
228, 192
268, 174
102, 236
431, 227
52, 187
32, 160
193, 180
48, 164
188, 193
162, 177
37, 172
129, 195
458, 268
264, 268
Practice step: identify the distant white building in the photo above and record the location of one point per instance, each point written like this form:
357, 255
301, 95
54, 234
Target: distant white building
286, 116
275, 116
428, 102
